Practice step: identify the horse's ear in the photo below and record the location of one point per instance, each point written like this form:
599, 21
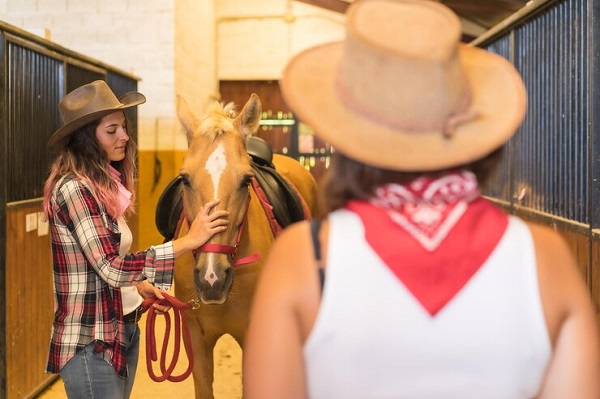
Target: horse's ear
188, 120
249, 119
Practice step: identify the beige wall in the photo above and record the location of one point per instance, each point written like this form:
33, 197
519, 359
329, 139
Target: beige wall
176, 47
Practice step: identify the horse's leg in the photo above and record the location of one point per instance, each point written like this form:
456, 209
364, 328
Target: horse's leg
202, 347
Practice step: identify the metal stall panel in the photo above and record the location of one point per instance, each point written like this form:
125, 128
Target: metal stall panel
550, 158
3, 162
79, 74
499, 185
593, 87
549, 169
33, 89
593, 30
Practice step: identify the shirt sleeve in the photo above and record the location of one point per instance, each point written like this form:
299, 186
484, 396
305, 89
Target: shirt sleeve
164, 255
88, 223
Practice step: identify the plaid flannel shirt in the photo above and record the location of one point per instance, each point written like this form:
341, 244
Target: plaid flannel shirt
88, 274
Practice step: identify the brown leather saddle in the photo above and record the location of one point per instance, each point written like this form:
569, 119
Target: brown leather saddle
287, 204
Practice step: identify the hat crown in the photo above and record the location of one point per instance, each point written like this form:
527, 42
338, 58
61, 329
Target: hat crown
401, 91
387, 42
86, 104
87, 99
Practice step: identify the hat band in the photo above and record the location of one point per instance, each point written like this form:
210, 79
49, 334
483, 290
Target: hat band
446, 127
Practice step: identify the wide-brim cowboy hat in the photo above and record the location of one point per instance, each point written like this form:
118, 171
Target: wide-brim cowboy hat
87, 103
401, 92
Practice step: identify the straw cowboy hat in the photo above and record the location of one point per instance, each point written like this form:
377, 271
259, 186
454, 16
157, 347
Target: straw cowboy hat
402, 93
86, 104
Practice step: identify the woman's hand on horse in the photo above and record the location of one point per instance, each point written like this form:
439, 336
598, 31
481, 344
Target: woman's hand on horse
207, 223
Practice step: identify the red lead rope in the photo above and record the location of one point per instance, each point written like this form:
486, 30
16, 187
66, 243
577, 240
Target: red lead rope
180, 322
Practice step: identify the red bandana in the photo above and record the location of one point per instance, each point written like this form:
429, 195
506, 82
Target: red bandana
443, 233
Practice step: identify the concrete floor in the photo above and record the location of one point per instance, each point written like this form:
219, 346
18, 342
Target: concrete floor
228, 373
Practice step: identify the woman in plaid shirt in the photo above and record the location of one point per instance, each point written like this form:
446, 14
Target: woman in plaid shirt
98, 284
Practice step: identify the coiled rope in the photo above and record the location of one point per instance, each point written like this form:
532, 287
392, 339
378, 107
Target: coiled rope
181, 328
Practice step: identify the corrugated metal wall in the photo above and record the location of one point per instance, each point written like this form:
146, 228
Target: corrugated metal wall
35, 83
547, 168
34, 87
551, 171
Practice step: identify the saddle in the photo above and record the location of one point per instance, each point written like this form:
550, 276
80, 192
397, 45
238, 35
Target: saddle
287, 204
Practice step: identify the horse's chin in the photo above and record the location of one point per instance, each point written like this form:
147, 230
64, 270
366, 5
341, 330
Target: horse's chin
213, 301
212, 297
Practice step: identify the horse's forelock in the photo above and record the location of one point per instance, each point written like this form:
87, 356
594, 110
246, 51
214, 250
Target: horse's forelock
230, 110
218, 119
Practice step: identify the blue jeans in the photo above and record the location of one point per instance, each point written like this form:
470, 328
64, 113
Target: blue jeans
88, 376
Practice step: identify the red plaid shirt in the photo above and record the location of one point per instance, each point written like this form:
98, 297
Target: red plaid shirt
88, 274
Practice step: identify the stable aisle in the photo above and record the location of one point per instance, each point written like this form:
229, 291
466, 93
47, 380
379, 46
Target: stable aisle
228, 366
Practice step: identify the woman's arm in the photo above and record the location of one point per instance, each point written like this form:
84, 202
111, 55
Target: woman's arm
83, 217
283, 312
574, 370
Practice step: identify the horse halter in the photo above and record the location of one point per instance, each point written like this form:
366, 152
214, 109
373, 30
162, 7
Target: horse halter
230, 250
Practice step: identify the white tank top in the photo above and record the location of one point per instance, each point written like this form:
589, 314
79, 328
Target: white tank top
372, 339
129, 295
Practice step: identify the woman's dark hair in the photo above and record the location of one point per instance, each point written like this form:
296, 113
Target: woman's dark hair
347, 179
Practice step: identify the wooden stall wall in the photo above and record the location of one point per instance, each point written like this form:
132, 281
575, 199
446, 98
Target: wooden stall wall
29, 293
34, 76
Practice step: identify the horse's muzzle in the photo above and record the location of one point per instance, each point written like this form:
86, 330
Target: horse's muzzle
212, 287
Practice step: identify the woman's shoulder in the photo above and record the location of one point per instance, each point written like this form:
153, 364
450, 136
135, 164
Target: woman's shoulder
293, 236
561, 279
75, 191
66, 183
554, 257
548, 241
291, 258
569, 314
71, 184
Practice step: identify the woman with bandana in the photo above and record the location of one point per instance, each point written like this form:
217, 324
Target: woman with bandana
414, 285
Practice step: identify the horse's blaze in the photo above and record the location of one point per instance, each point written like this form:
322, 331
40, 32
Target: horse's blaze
215, 165
214, 281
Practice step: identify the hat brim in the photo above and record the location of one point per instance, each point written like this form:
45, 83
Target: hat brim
61, 136
498, 95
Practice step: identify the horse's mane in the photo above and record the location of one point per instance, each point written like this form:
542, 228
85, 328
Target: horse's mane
218, 120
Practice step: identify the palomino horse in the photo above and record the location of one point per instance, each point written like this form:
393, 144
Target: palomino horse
217, 165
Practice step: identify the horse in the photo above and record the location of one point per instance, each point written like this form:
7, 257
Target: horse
217, 165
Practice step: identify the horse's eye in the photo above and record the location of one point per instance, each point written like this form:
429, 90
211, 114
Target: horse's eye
185, 179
